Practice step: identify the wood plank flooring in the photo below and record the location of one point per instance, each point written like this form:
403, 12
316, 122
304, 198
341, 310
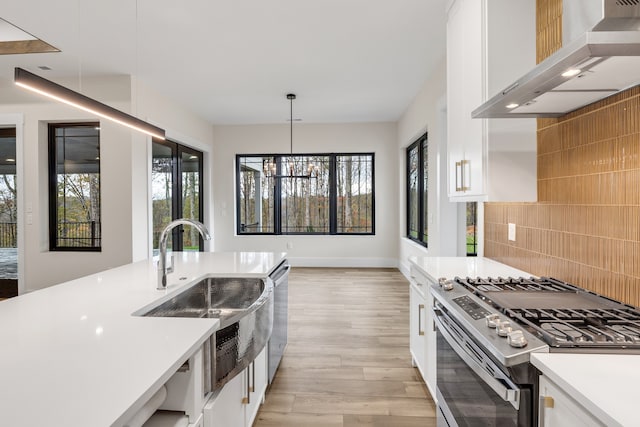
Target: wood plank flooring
347, 363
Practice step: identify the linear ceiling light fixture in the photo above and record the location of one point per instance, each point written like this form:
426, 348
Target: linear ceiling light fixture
37, 84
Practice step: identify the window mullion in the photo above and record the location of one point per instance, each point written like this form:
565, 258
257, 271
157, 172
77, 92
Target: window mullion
333, 198
277, 202
176, 193
421, 192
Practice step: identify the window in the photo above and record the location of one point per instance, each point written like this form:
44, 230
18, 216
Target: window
74, 187
274, 194
176, 192
471, 230
417, 194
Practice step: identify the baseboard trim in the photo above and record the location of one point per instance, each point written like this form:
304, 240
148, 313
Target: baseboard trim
343, 262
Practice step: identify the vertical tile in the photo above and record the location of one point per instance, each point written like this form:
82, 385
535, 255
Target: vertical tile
585, 227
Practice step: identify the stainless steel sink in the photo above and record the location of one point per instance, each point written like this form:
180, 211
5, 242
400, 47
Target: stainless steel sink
245, 309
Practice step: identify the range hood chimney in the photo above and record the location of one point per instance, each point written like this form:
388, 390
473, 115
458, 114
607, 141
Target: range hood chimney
600, 57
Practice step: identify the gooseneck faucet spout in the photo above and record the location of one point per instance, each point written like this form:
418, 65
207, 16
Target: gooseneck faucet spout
162, 260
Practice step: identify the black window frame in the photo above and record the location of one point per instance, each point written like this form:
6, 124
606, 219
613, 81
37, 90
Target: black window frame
53, 189
177, 150
421, 145
471, 211
333, 196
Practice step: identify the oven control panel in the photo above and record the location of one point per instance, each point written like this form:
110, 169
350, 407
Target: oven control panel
472, 308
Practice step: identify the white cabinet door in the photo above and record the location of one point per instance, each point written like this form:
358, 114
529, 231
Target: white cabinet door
227, 408
257, 372
488, 159
558, 409
465, 93
417, 315
429, 341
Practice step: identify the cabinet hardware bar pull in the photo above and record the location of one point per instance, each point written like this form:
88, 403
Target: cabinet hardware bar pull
464, 187
458, 164
420, 308
545, 402
246, 400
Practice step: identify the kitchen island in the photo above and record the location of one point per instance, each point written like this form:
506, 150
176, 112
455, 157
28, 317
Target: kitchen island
75, 355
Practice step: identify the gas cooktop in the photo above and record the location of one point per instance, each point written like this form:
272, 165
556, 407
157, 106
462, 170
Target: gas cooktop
562, 315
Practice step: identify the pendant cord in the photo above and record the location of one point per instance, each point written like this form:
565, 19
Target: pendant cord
291, 126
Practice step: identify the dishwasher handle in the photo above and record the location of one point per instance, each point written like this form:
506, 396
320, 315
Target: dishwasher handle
280, 274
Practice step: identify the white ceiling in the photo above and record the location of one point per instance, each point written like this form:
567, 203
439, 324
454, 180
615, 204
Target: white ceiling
233, 61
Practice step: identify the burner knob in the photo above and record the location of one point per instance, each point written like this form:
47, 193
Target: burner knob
503, 328
517, 339
446, 284
492, 320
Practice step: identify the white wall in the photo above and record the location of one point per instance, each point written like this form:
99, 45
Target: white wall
380, 138
427, 113
124, 175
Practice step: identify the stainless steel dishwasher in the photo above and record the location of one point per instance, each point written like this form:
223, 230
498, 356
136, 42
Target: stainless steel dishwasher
278, 340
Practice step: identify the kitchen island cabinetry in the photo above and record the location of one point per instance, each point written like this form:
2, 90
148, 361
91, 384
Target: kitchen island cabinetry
489, 45
237, 403
558, 409
90, 323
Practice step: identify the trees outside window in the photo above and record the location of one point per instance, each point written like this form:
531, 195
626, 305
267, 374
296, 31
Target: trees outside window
74, 187
275, 196
471, 229
417, 191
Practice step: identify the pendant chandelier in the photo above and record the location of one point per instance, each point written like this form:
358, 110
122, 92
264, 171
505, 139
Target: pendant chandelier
271, 168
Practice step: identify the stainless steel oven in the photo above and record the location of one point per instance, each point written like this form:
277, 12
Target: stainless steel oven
483, 374
472, 389
488, 327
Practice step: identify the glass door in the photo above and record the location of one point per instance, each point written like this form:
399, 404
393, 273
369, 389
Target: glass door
190, 168
8, 214
176, 177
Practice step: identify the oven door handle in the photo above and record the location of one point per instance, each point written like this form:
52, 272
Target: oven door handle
511, 395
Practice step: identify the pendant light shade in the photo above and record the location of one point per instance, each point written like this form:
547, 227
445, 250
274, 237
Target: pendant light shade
42, 86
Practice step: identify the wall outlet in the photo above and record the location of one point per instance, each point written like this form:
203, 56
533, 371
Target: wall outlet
512, 232
289, 245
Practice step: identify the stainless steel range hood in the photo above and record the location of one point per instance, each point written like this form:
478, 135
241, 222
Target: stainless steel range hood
600, 56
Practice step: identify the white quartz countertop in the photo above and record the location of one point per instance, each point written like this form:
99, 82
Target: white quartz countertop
604, 384
450, 267
74, 355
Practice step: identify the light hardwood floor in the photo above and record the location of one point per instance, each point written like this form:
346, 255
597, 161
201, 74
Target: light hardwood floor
347, 363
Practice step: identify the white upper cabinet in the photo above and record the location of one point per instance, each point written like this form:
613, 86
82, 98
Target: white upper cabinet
490, 44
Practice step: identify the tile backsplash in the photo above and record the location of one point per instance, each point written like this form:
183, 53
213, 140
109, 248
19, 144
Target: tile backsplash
585, 227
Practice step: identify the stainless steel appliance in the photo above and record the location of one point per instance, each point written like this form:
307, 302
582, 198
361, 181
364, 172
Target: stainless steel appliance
487, 328
599, 56
278, 341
